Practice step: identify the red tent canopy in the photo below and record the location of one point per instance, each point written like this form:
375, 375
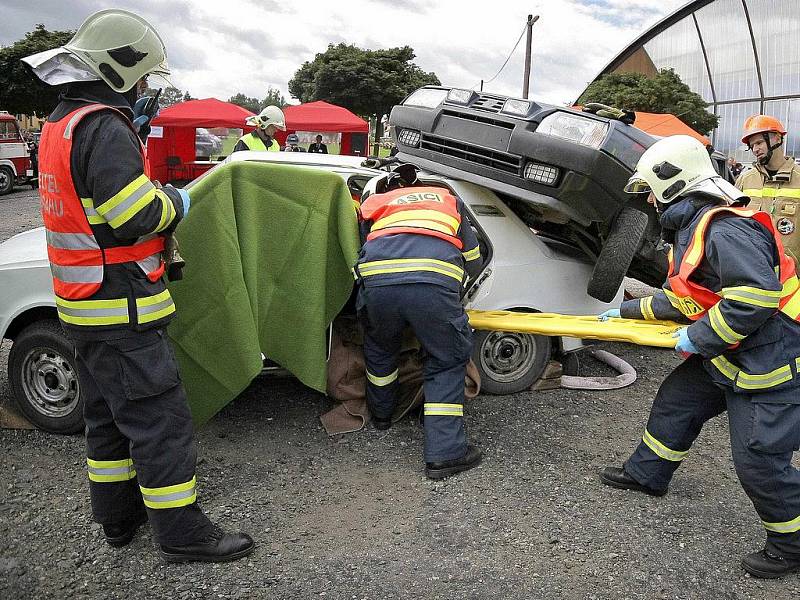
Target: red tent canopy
208, 112
171, 146
321, 116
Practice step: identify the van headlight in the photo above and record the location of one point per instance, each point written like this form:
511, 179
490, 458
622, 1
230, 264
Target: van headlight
408, 137
581, 130
426, 98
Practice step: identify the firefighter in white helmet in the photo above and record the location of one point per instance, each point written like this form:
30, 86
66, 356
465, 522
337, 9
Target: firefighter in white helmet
105, 221
732, 282
262, 138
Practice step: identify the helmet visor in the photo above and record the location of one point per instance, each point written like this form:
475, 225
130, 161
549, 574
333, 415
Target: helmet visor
637, 185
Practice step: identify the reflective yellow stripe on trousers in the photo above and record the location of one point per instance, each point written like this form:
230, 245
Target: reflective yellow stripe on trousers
110, 471
783, 526
661, 450
435, 409
171, 496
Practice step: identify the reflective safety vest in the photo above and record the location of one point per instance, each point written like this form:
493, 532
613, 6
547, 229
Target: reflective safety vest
694, 300
76, 259
422, 210
253, 142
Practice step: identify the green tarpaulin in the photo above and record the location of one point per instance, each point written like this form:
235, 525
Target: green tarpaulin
268, 251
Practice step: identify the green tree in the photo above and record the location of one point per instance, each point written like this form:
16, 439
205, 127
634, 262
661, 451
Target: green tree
20, 90
663, 93
251, 104
171, 95
273, 98
367, 82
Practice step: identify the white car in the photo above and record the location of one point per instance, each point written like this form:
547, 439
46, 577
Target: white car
522, 272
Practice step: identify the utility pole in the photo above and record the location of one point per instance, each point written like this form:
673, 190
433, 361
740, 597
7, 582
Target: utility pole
527, 78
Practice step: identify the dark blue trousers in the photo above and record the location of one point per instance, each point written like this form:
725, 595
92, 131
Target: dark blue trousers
136, 413
440, 324
764, 431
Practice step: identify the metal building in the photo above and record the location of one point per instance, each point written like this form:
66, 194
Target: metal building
741, 56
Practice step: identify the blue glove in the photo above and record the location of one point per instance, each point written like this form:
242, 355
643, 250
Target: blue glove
612, 313
187, 201
684, 345
145, 110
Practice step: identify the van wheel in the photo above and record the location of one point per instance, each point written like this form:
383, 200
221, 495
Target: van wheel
509, 362
6, 180
615, 258
44, 381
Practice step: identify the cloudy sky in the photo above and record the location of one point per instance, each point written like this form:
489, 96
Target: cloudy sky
216, 49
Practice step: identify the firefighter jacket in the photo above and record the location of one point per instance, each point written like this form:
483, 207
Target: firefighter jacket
778, 195
104, 218
739, 296
417, 235
251, 141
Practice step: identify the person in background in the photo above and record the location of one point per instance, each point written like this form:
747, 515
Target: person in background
262, 138
773, 184
318, 146
292, 144
105, 224
731, 280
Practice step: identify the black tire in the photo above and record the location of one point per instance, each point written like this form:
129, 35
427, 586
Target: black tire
509, 362
44, 381
615, 258
6, 180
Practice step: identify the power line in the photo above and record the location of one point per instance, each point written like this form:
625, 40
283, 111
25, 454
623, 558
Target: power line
509, 55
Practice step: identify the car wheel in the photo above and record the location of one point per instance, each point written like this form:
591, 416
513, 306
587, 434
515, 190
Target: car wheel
44, 381
509, 362
6, 180
615, 258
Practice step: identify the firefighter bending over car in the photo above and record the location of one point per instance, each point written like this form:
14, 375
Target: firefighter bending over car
773, 184
106, 222
418, 252
262, 138
732, 281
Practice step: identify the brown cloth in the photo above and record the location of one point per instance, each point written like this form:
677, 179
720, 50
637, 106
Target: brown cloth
347, 379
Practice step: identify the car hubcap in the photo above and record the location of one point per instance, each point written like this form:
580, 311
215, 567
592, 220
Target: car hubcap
50, 383
507, 356
4, 179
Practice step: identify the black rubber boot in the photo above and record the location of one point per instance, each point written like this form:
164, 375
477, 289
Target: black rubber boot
121, 534
618, 478
766, 565
446, 468
217, 546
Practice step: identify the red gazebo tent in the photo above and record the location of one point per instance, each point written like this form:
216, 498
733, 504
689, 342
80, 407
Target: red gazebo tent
323, 117
171, 149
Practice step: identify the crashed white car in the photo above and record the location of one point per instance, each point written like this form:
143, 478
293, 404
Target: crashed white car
521, 272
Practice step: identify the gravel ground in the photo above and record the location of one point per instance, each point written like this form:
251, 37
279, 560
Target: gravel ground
354, 517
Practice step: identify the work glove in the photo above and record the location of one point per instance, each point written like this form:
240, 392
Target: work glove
684, 346
144, 111
612, 313
187, 200
610, 112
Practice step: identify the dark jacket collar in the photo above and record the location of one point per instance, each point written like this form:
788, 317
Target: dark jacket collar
79, 94
682, 213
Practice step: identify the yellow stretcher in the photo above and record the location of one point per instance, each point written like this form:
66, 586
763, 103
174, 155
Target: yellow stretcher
644, 333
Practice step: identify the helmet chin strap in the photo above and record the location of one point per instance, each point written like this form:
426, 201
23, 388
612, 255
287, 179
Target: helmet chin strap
764, 160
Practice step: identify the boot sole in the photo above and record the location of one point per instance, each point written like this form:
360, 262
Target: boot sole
450, 471
182, 558
635, 488
768, 574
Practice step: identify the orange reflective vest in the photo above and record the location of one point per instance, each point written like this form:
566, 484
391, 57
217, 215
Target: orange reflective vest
76, 259
422, 210
694, 300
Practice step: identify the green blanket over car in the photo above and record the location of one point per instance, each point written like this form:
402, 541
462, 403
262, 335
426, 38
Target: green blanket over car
268, 251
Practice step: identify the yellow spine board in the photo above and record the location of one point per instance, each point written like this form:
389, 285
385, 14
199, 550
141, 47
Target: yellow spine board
634, 331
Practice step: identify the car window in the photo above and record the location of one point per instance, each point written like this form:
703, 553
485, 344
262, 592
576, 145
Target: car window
8, 131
